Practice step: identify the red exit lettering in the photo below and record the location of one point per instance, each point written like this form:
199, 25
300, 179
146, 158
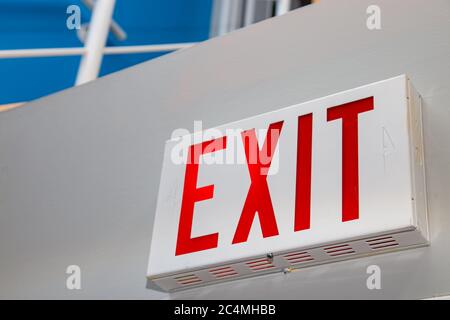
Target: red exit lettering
258, 200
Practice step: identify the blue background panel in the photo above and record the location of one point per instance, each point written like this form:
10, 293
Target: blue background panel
42, 24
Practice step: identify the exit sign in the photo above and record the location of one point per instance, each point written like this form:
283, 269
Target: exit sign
330, 179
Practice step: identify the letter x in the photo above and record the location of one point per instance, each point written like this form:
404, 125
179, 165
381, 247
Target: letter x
258, 197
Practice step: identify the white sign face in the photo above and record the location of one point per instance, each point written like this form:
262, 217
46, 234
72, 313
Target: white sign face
332, 169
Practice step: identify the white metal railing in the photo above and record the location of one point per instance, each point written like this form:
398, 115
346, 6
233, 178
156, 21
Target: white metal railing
100, 25
102, 22
116, 29
96, 40
77, 51
94, 49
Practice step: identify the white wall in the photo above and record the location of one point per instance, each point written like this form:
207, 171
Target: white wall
79, 170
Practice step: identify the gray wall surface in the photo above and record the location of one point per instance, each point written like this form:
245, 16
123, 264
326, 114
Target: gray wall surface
79, 170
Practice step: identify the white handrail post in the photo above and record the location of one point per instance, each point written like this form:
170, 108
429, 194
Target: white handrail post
115, 28
282, 7
96, 40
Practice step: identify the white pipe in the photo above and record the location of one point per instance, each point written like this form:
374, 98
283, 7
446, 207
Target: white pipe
249, 17
148, 48
116, 29
224, 17
96, 40
282, 7
235, 15
59, 52
46, 52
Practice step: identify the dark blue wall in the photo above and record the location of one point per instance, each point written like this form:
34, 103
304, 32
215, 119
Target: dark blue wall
42, 23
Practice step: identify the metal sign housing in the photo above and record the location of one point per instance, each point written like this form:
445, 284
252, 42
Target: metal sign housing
334, 178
